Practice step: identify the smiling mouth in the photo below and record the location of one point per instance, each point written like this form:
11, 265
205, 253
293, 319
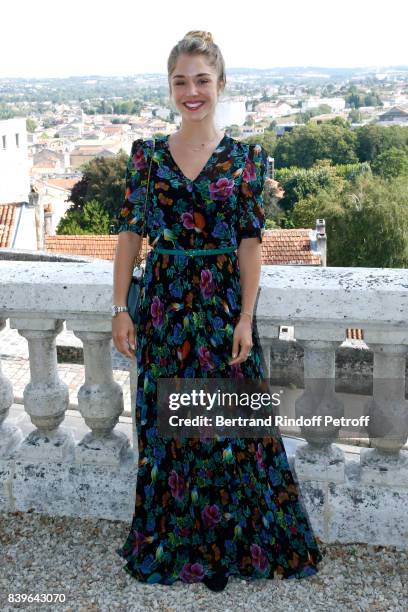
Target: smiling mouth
193, 107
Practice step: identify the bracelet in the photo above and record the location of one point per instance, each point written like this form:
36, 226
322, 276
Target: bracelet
249, 314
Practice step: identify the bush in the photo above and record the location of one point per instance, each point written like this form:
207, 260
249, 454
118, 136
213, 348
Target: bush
366, 223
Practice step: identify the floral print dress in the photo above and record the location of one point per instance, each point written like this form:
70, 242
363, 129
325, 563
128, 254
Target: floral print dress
229, 506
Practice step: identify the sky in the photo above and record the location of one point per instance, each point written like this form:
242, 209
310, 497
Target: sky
44, 38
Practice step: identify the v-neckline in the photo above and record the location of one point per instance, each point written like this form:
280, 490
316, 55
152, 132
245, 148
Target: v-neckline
207, 163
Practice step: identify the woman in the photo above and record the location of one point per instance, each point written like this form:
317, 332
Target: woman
205, 509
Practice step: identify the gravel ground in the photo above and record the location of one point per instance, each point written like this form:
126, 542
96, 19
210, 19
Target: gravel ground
77, 558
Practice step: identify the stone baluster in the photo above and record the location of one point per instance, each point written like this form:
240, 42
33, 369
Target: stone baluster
318, 459
266, 346
46, 397
388, 415
100, 398
10, 435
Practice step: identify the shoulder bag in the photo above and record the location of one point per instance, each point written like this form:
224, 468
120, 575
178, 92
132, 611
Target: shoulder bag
133, 297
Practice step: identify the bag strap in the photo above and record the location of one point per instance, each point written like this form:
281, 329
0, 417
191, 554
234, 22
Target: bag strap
139, 259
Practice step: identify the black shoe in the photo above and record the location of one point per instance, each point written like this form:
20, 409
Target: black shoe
217, 582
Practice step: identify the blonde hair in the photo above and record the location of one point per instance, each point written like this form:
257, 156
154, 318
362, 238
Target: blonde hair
199, 42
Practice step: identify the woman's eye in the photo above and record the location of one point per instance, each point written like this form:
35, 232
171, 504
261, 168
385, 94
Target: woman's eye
200, 81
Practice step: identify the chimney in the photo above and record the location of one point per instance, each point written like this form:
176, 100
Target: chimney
35, 201
321, 240
271, 167
67, 160
48, 226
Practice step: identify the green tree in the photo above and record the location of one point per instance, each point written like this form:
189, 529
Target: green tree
300, 183
354, 116
92, 219
351, 171
267, 140
102, 180
31, 125
366, 222
372, 99
271, 224
6, 112
305, 144
355, 100
304, 117
371, 140
341, 121
233, 130
391, 163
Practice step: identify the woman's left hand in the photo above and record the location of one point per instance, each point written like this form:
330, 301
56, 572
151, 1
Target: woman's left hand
243, 339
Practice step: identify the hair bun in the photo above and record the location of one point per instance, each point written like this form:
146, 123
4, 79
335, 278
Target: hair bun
206, 36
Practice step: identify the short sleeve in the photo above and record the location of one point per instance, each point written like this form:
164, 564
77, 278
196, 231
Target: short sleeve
251, 214
131, 216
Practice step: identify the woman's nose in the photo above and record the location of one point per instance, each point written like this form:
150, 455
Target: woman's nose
191, 89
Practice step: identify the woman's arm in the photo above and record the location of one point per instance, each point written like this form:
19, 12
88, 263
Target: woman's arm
131, 223
250, 261
123, 329
127, 249
249, 257
251, 223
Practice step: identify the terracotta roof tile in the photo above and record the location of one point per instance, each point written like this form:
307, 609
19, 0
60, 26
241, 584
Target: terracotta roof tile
8, 214
279, 247
100, 247
289, 247
64, 183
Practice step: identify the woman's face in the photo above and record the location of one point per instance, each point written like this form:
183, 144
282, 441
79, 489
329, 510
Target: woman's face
194, 87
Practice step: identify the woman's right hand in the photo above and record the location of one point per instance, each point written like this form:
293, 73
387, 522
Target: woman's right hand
123, 334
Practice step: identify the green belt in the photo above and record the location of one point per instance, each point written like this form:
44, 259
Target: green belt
191, 252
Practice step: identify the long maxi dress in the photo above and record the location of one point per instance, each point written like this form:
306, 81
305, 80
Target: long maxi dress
229, 506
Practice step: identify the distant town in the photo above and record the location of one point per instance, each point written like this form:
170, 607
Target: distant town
78, 117
51, 128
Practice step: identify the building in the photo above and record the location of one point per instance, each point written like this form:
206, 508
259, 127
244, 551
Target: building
47, 161
274, 109
336, 104
27, 212
397, 115
303, 247
85, 153
16, 212
14, 162
298, 246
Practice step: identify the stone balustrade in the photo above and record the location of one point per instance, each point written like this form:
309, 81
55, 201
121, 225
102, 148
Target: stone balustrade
347, 500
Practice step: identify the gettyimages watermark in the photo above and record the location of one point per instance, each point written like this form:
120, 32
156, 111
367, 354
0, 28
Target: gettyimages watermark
246, 408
